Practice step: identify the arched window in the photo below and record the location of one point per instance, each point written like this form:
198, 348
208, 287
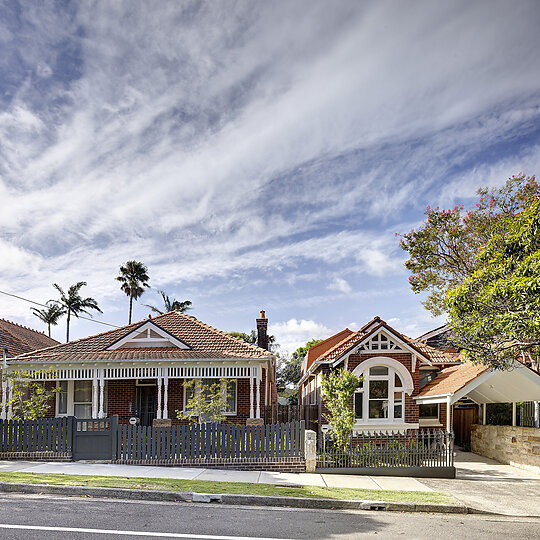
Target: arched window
381, 397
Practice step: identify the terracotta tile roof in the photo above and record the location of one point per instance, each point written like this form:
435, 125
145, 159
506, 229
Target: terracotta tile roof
20, 339
452, 379
204, 340
317, 350
436, 356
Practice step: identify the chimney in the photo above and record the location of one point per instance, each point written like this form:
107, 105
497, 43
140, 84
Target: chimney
262, 331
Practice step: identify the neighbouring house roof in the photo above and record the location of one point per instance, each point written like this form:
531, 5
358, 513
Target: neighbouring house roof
203, 340
482, 384
452, 379
20, 339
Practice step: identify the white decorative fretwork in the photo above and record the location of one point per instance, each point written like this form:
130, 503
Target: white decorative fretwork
380, 342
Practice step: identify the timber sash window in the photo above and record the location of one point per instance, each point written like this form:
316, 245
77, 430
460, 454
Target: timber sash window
381, 396
75, 399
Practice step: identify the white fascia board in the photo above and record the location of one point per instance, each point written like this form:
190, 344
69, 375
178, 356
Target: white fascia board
171, 362
439, 398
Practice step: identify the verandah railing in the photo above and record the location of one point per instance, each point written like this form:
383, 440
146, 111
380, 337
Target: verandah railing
413, 448
210, 441
53, 435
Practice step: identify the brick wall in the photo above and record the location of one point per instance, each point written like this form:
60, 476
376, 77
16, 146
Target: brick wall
119, 395
515, 445
285, 464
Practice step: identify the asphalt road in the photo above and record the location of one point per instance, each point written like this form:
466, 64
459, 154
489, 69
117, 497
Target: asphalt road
47, 517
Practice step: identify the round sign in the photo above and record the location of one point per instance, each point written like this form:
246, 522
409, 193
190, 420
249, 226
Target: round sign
133, 420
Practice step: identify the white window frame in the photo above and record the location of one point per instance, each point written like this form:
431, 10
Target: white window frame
392, 389
223, 389
71, 399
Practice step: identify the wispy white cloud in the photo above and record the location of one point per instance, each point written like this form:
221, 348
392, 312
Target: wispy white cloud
294, 333
190, 137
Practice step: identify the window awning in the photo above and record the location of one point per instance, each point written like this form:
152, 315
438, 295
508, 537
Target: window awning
482, 385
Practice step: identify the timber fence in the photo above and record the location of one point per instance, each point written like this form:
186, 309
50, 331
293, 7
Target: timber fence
210, 442
43, 438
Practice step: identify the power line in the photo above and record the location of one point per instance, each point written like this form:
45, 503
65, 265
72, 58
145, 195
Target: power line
44, 305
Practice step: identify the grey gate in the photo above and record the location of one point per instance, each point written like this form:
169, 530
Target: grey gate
94, 439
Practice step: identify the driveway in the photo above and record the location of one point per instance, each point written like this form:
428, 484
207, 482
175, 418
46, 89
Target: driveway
489, 486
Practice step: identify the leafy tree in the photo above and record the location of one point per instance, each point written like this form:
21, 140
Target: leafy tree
73, 303
248, 338
252, 338
495, 312
338, 388
134, 278
29, 398
442, 251
50, 315
207, 401
289, 370
170, 304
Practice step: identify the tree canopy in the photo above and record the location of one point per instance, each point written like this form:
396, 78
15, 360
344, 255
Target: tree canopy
495, 312
170, 304
73, 303
134, 278
442, 251
290, 369
50, 315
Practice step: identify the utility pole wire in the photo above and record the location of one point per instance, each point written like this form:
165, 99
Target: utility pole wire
44, 305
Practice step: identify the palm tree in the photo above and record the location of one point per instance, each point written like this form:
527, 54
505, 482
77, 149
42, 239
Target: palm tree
134, 277
171, 304
73, 303
49, 315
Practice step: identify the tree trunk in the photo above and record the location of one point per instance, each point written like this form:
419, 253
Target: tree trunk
67, 325
49, 327
130, 307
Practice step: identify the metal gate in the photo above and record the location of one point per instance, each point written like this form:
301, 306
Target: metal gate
95, 439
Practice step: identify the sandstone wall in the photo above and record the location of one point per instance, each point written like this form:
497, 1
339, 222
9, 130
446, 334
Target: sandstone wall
514, 445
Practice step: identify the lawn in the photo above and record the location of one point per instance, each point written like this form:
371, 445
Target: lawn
240, 488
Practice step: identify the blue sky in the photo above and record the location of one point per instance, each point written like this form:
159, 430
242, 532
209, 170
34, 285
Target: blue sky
255, 155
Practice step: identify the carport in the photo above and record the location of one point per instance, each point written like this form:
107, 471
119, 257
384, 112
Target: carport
483, 385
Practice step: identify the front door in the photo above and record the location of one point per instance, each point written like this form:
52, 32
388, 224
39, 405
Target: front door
145, 404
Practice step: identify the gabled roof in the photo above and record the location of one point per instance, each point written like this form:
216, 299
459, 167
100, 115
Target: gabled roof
20, 339
204, 342
339, 347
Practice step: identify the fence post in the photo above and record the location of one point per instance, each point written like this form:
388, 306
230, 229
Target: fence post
113, 426
310, 449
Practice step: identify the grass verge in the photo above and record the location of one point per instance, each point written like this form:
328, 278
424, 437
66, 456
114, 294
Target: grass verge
240, 488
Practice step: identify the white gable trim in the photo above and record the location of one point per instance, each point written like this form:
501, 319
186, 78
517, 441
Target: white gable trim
403, 372
408, 348
165, 339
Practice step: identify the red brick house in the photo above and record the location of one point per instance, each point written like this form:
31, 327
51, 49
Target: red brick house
138, 371
395, 369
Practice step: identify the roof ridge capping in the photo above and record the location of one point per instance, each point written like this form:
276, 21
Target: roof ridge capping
25, 327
